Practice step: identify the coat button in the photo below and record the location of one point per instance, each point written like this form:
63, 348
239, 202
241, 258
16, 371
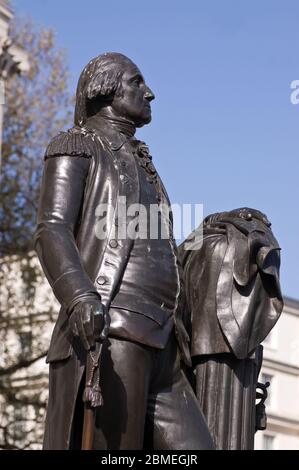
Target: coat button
113, 243
102, 280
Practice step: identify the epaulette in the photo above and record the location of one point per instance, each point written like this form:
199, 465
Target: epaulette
75, 142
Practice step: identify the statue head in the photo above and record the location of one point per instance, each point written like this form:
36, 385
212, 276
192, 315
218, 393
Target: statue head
113, 80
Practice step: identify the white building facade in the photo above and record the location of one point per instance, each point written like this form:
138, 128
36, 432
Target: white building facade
281, 369
5, 17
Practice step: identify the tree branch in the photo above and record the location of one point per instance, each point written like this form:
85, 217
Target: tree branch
22, 364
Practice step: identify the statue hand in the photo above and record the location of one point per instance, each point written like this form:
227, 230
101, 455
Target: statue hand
89, 320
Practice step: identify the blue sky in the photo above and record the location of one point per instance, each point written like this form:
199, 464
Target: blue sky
224, 132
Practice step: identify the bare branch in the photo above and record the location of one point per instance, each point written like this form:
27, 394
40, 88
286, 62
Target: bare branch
22, 364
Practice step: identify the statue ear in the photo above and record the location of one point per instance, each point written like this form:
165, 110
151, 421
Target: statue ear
102, 84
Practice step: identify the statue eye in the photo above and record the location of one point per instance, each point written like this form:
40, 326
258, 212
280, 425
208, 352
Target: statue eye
136, 81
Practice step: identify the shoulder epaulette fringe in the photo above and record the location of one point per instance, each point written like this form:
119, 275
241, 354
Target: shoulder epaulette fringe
71, 143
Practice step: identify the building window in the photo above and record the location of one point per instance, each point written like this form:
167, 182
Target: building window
25, 344
268, 442
18, 426
268, 378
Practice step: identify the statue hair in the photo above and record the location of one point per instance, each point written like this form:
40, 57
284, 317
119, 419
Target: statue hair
100, 79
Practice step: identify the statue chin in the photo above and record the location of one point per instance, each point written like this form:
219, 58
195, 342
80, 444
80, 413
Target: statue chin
144, 121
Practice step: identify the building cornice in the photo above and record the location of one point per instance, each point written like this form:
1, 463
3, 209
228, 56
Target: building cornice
291, 306
284, 424
5, 12
280, 366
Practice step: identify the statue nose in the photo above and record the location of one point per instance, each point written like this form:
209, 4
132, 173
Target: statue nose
149, 95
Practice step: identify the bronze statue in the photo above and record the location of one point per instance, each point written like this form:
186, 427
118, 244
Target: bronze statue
122, 293
233, 301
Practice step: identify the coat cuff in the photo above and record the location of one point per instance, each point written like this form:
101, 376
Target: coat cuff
91, 295
72, 285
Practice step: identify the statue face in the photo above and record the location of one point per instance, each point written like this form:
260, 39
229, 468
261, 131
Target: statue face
132, 100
